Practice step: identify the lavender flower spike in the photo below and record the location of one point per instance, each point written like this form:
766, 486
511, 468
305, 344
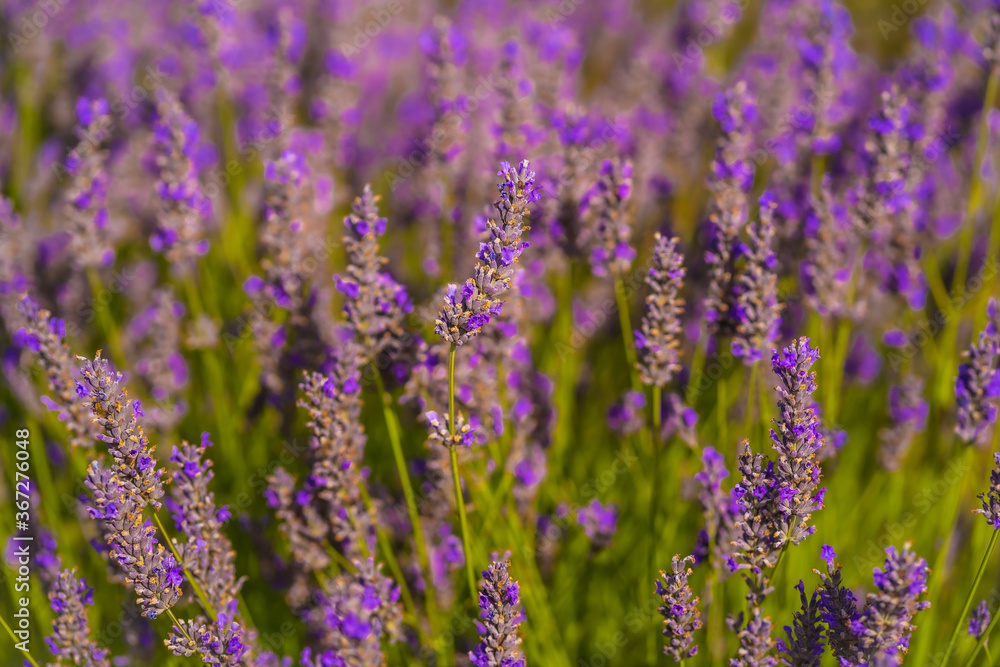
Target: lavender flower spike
757, 311
87, 193
469, 307
183, 207
755, 640
887, 619
796, 438
500, 605
374, 303
839, 610
71, 642
134, 465
609, 200
979, 620
151, 571
991, 499
977, 388
46, 336
680, 612
805, 636
659, 336
219, 644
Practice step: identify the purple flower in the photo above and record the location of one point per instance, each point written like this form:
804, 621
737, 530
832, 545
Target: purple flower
681, 617
977, 387
979, 620
658, 339
599, 522
501, 614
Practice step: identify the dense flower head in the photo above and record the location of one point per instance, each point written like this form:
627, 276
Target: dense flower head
908, 411
721, 510
886, 621
470, 306
501, 613
374, 303
86, 208
599, 522
658, 338
608, 202
979, 620
839, 607
758, 534
681, 617
149, 569
757, 311
732, 177
797, 437
184, 209
134, 462
977, 387
754, 637
220, 643
355, 612
208, 554
442, 433
71, 640
991, 499
45, 335
804, 645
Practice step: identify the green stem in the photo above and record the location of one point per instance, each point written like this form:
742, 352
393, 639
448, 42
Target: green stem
972, 593
654, 504
108, 326
392, 426
206, 605
627, 337
177, 624
463, 520
989, 658
14, 639
721, 412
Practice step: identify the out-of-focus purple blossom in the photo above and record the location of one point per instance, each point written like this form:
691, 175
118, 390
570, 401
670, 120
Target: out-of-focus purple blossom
979, 620
732, 177
628, 416
720, 509
86, 195
374, 303
757, 311
71, 641
608, 202
501, 614
681, 617
908, 412
184, 209
658, 338
356, 611
599, 522
470, 306
977, 387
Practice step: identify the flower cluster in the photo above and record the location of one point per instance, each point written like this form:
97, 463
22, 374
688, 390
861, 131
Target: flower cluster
681, 617
599, 522
658, 339
149, 569
797, 437
374, 303
608, 201
134, 466
756, 311
220, 644
45, 335
184, 209
468, 308
500, 610
977, 388
86, 195
71, 642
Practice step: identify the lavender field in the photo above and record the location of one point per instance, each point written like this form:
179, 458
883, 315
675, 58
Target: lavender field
494, 334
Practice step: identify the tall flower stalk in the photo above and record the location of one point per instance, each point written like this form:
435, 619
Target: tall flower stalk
469, 308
